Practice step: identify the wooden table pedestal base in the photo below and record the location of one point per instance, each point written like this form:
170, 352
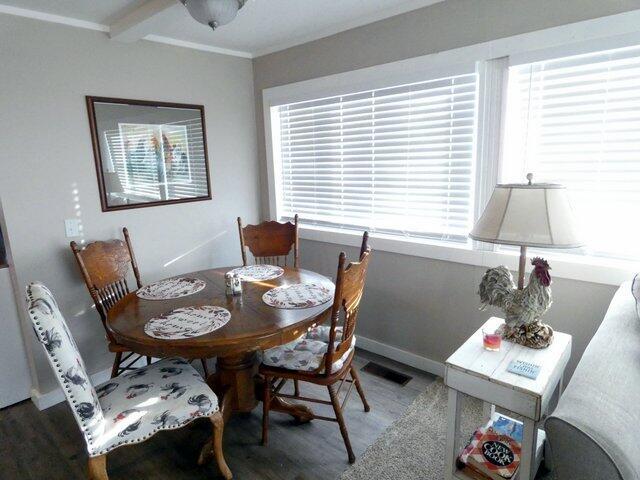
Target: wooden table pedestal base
238, 380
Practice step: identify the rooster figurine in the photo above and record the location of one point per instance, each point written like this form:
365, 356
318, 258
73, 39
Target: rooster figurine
523, 308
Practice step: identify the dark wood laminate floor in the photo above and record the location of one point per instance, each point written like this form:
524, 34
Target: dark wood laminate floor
48, 445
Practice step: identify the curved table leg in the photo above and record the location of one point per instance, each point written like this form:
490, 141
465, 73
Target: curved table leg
301, 413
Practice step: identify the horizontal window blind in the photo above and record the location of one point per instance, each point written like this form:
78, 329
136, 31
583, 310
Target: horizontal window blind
576, 121
395, 160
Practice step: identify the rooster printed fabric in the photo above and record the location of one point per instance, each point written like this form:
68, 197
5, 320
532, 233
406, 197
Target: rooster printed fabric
126, 409
257, 273
162, 396
187, 322
62, 352
299, 295
171, 288
304, 355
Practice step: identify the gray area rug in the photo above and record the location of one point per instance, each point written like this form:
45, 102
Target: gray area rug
413, 447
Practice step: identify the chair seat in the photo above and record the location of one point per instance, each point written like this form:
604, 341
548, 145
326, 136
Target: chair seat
164, 395
321, 332
304, 355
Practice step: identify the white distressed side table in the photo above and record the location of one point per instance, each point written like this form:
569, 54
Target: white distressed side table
483, 374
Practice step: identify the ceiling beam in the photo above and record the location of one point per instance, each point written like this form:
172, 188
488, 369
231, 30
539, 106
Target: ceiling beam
138, 24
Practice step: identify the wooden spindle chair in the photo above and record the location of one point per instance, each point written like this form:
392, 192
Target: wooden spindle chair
270, 242
105, 266
334, 366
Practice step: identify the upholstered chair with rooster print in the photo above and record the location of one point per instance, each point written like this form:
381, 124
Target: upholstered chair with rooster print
128, 409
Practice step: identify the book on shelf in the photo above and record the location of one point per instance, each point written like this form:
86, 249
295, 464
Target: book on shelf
496, 456
470, 472
493, 451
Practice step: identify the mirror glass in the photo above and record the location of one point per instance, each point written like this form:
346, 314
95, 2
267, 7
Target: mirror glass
148, 153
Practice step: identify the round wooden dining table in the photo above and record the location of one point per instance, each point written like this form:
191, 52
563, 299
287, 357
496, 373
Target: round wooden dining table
254, 326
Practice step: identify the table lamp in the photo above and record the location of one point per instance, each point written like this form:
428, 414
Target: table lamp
525, 215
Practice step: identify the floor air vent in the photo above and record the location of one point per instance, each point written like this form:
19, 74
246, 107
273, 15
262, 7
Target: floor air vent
386, 373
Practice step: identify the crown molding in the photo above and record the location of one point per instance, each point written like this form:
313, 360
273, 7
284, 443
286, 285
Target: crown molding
197, 46
49, 17
74, 22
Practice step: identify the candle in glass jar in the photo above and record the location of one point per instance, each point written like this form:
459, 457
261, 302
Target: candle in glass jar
491, 340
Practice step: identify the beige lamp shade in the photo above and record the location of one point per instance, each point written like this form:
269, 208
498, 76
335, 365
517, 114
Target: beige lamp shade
534, 215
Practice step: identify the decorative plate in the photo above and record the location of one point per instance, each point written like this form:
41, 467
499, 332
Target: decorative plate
187, 322
298, 295
171, 288
258, 273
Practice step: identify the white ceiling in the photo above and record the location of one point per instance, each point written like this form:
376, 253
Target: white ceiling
261, 27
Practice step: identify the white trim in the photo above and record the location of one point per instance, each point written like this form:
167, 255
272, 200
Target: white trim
357, 22
407, 358
492, 96
49, 399
74, 22
332, 30
197, 46
50, 17
271, 127
587, 269
138, 23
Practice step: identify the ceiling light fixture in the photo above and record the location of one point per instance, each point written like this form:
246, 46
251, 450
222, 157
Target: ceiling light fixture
213, 12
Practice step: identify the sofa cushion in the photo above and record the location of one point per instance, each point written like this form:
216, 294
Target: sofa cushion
593, 433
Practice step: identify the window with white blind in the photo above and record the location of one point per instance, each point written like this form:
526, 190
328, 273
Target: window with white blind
576, 121
396, 160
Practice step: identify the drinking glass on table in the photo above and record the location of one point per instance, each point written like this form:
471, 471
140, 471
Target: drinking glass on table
491, 340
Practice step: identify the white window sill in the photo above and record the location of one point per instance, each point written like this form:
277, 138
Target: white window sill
586, 269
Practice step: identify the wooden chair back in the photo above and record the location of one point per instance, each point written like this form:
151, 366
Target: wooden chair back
270, 242
105, 266
350, 282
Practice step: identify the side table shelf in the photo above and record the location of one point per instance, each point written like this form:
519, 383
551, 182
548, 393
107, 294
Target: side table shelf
476, 372
459, 474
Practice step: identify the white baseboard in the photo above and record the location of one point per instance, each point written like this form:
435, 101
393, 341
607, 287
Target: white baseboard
416, 361
43, 401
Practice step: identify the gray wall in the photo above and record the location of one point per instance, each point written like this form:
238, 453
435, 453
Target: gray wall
48, 171
424, 306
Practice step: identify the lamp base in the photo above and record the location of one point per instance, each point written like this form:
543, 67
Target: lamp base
533, 335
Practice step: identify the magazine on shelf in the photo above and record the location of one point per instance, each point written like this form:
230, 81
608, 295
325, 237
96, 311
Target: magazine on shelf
508, 426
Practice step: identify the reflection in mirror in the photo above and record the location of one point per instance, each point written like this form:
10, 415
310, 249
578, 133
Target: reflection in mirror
148, 153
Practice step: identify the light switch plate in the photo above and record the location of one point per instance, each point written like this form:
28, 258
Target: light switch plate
72, 227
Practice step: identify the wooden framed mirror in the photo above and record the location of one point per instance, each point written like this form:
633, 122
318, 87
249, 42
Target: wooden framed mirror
148, 153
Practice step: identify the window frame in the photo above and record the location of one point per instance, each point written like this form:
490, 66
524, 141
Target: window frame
492, 60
